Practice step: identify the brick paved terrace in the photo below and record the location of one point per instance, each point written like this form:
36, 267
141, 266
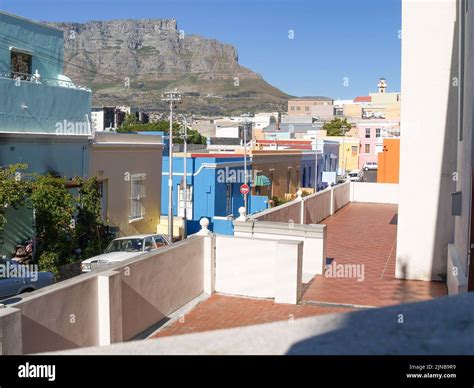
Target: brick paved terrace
361, 237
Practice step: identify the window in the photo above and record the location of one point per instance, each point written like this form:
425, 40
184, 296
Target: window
306, 108
189, 202
367, 148
149, 244
137, 193
354, 150
377, 132
367, 133
159, 241
20, 65
292, 108
288, 181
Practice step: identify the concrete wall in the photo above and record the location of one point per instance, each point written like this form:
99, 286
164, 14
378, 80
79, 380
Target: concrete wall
463, 236
313, 237
317, 207
63, 316
288, 212
429, 106
160, 283
110, 305
341, 196
259, 268
375, 192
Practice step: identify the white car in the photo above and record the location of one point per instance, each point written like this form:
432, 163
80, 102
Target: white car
355, 175
125, 248
370, 166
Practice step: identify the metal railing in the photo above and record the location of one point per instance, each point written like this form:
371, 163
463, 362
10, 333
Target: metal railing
38, 79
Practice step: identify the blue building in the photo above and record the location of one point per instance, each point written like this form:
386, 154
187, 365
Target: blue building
44, 117
214, 182
328, 160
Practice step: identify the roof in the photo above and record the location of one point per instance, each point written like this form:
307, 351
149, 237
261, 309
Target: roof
294, 144
285, 127
310, 98
363, 99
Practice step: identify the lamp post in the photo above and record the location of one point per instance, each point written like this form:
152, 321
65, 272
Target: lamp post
172, 98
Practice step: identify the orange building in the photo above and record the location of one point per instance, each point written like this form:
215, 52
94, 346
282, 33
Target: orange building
389, 162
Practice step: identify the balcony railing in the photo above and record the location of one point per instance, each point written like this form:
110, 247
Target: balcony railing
38, 79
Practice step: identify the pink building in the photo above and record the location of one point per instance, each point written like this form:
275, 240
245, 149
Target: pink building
371, 134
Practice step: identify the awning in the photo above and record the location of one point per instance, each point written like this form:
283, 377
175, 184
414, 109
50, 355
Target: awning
262, 180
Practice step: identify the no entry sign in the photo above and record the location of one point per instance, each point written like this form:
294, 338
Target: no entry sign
244, 189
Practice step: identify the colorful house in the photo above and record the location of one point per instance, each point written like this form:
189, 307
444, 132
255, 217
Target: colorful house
44, 117
214, 182
389, 162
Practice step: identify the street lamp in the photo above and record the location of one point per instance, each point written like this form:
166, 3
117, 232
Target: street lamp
172, 98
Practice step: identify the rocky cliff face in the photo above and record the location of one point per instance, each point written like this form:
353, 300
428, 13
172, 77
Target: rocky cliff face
133, 61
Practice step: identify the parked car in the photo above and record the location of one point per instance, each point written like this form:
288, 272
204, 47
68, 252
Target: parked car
16, 278
125, 248
355, 175
370, 166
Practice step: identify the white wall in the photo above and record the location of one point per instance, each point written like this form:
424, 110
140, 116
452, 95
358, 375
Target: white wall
375, 192
428, 138
232, 132
259, 268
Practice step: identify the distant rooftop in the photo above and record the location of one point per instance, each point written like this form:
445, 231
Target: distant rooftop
312, 98
363, 99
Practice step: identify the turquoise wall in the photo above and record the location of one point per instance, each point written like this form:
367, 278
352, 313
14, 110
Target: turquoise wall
49, 109
45, 43
39, 107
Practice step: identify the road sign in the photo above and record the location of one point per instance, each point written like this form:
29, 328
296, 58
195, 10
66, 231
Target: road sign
244, 189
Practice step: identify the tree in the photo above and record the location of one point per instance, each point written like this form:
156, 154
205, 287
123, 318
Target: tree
14, 190
130, 119
54, 210
194, 137
336, 127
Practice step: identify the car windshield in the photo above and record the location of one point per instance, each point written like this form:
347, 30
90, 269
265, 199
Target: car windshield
353, 174
125, 245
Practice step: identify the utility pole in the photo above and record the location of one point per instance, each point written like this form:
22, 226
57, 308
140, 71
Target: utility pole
185, 178
246, 121
344, 129
172, 98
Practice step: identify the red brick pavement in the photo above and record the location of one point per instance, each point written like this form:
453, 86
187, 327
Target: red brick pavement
222, 312
363, 234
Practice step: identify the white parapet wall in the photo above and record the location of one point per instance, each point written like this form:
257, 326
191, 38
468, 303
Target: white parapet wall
106, 306
313, 237
374, 192
456, 279
260, 268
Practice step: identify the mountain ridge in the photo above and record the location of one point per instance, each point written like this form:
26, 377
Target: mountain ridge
133, 61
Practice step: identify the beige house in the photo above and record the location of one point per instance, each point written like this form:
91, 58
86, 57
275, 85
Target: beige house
304, 105
128, 167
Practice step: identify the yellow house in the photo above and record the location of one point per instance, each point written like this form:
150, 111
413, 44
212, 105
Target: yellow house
348, 150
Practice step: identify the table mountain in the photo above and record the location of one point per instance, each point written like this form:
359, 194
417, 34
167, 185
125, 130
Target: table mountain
131, 62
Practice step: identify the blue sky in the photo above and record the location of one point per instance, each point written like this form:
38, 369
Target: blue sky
332, 39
